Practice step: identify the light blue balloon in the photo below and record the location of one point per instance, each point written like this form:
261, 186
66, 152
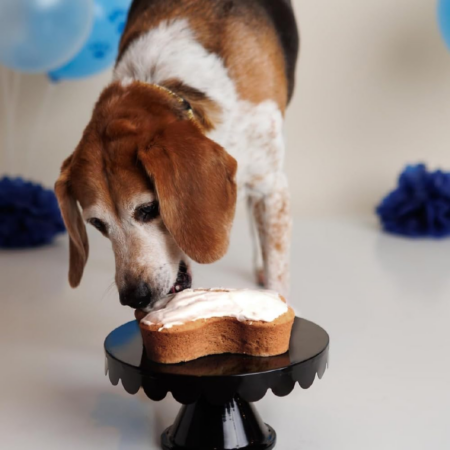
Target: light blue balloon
40, 35
102, 46
444, 20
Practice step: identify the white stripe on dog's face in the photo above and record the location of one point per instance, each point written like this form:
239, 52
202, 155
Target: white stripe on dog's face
145, 252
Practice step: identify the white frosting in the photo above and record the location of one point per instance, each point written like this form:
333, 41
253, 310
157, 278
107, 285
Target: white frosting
193, 304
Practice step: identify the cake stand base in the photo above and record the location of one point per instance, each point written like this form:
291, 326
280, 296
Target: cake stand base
218, 391
235, 424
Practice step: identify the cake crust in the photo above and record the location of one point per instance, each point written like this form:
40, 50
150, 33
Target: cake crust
216, 335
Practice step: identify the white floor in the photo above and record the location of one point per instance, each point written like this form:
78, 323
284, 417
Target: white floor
385, 302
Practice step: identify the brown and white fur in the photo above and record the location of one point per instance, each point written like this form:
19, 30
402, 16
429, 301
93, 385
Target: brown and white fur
198, 86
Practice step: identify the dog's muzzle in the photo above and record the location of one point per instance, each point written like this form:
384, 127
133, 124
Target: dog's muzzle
139, 296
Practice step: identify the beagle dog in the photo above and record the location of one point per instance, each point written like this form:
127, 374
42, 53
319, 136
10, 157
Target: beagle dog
192, 121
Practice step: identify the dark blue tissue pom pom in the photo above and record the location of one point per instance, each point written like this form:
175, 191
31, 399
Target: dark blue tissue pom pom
420, 205
29, 214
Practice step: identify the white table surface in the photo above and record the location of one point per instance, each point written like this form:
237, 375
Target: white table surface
385, 302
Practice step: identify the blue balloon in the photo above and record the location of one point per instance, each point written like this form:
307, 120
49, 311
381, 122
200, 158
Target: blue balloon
102, 46
444, 20
40, 35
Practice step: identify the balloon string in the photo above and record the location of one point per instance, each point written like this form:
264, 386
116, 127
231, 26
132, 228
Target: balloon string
38, 125
13, 103
7, 132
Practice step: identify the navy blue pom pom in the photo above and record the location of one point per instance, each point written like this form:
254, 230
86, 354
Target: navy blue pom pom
419, 206
29, 214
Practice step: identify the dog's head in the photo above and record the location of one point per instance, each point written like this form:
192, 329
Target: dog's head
149, 180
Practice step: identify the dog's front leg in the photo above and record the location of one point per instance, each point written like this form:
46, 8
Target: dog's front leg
255, 209
271, 212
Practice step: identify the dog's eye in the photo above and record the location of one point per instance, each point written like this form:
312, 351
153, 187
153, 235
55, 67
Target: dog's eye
147, 212
97, 223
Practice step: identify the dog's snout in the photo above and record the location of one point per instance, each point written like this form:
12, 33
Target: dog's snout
136, 296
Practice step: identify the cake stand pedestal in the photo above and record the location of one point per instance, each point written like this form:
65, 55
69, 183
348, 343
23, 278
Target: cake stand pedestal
218, 391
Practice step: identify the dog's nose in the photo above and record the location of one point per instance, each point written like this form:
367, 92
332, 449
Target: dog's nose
137, 296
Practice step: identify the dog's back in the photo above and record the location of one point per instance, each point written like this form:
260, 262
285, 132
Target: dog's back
256, 39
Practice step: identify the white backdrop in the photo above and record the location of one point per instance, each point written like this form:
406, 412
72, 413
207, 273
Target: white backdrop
373, 93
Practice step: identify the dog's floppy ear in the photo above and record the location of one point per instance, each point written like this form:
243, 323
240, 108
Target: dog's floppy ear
195, 183
120, 128
79, 246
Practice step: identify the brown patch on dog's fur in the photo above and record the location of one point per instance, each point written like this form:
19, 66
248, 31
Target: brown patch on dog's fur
198, 211
239, 32
124, 119
255, 62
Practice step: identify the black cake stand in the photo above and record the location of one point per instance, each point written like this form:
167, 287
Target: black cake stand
217, 391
